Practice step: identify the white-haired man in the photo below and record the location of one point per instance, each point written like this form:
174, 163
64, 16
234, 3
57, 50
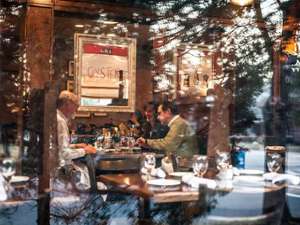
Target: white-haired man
67, 105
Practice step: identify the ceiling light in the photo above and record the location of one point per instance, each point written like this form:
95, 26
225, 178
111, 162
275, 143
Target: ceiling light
241, 2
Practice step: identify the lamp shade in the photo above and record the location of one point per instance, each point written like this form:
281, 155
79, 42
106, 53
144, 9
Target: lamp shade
241, 2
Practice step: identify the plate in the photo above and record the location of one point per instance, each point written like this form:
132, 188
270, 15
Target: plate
181, 174
163, 182
19, 179
251, 172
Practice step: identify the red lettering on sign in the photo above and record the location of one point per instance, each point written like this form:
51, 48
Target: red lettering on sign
105, 50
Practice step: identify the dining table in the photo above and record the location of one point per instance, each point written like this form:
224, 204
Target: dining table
22, 201
247, 195
236, 191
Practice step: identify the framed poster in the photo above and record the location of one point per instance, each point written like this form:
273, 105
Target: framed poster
105, 73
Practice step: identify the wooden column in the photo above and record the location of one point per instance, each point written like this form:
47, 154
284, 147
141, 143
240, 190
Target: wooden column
38, 48
38, 39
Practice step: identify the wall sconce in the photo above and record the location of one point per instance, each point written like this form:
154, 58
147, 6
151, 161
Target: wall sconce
241, 2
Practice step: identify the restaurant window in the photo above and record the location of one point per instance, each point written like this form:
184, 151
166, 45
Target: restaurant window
231, 71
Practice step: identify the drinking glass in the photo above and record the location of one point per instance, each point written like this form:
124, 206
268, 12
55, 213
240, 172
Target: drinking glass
149, 162
131, 142
200, 165
8, 168
223, 160
124, 141
274, 162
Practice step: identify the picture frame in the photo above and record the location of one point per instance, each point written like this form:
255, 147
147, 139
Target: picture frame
196, 67
105, 74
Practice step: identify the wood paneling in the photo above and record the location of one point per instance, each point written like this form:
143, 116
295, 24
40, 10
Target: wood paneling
84, 6
40, 2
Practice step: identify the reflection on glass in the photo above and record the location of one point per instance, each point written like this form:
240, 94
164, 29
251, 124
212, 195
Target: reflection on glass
200, 165
223, 160
8, 168
149, 162
274, 162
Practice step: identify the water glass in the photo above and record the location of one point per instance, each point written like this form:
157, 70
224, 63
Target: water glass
8, 168
274, 162
149, 162
223, 160
200, 165
131, 142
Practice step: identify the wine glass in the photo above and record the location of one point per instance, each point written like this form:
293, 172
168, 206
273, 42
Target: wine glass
274, 162
223, 160
131, 142
149, 162
200, 165
8, 168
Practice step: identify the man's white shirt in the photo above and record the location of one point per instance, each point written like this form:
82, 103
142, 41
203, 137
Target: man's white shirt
65, 153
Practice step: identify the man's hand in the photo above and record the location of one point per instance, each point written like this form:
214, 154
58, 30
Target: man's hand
89, 149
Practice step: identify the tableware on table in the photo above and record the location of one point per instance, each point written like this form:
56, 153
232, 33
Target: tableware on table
159, 172
200, 165
8, 168
164, 182
225, 185
148, 163
19, 179
180, 174
223, 160
131, 142
164, 188
251, 172
274, 162
225, 174
99, 141
195, 182
167, 164
277, 178
124, 141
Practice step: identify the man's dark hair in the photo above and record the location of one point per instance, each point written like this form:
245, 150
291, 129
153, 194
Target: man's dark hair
166, 105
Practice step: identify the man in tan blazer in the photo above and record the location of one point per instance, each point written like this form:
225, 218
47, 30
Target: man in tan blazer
180, 139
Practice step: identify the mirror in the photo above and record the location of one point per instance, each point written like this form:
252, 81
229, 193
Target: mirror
195, 70
105, 72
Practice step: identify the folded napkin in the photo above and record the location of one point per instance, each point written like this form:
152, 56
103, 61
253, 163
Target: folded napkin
167, 165
3, 189
195, 182
155, 172
158, 172
144, 170
102, 187
225, 174
277, 177
236, 171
